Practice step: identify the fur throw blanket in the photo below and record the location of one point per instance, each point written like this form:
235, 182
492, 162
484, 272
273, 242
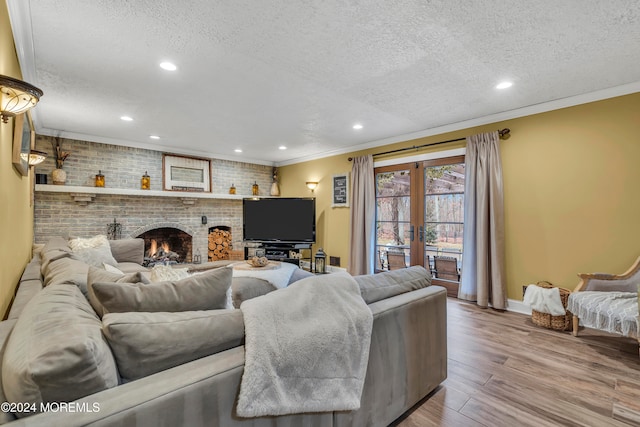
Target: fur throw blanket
306, 348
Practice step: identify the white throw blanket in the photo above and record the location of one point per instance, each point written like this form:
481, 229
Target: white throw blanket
306, 348
278, 277
544, 300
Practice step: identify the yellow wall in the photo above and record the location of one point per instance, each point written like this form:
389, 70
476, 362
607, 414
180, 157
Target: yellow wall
571, 182
16, 214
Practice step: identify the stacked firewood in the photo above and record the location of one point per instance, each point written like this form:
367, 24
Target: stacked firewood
219, 244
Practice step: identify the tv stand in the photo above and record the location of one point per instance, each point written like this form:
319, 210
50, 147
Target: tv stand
284, 252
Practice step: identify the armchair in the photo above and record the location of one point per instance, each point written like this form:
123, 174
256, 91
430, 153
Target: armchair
607, 302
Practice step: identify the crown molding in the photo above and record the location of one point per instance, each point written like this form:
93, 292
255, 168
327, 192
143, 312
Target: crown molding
544, 107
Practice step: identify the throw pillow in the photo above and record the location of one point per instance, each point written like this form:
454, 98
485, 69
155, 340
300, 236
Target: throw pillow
128, 250
376, 287
94, 251
66, 271
98, 275
245, 288
163, 273
206, 291
145, 343
56, 352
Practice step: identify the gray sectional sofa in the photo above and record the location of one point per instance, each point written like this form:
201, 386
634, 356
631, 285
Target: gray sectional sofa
407, 357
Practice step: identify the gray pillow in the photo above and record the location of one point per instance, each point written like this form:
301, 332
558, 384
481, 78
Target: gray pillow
379, 286
98, 275
299, 274
245, 288
145, 343
56, 352
51, 255
128, 250
56, 243
67, 271
205, 291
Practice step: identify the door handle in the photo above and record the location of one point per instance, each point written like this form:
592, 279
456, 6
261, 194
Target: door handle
420, 233
411, 233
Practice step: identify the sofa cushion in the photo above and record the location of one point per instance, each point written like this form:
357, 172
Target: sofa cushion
98, 275
206, 291
94, 250
376, 287
54, 249
56, 352
145, 343
32, 270
55, 243
5, 331
26, 290
67, 271
128, 250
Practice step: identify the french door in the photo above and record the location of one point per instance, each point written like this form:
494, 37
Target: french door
419, 218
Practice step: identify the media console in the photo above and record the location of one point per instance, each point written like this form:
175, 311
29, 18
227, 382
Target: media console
284, 252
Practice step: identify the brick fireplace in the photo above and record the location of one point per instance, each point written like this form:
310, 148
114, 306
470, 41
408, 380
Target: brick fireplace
62, 214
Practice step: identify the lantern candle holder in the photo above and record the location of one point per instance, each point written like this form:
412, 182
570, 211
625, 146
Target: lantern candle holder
320, 262
145, 181
99, 179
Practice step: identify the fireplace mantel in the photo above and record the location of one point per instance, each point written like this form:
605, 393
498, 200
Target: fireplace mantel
84, 195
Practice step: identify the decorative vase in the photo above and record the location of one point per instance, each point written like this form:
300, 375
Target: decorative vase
59, 176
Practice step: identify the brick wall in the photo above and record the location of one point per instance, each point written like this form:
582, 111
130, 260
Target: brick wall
58, 214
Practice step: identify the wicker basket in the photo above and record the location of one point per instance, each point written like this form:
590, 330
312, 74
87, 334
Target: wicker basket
559, 323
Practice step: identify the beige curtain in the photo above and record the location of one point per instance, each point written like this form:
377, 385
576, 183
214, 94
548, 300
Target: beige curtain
363, 211
483, 252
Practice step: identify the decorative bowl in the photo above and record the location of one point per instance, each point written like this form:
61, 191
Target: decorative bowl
258, 261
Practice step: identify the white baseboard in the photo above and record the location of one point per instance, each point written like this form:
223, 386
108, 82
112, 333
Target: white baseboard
518, 307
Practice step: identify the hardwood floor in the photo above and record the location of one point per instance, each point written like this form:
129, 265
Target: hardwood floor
505, 371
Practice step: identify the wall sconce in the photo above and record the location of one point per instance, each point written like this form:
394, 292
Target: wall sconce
16, 97
34, 157
311, 185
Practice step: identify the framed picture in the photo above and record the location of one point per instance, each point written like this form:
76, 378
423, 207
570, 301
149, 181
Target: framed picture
340, 190
23, 141
180, 173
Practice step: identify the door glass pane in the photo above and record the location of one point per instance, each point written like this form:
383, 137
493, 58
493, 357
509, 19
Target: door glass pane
393, 218
444, 216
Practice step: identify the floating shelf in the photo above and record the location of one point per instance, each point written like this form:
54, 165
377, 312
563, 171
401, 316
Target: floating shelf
84, 195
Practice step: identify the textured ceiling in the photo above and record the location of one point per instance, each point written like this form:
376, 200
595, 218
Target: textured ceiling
256, 75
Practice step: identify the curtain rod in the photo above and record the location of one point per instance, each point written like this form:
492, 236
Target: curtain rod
504, 133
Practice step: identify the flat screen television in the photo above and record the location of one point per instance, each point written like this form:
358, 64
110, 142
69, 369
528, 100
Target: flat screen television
282, 219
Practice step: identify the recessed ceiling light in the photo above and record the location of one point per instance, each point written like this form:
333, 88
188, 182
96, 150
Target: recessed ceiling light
504, 85
357, 126
282, 147
126, 118
168, 66
237, 150
154, 137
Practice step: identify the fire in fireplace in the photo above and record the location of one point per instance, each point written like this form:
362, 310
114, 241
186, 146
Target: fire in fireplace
166, 245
